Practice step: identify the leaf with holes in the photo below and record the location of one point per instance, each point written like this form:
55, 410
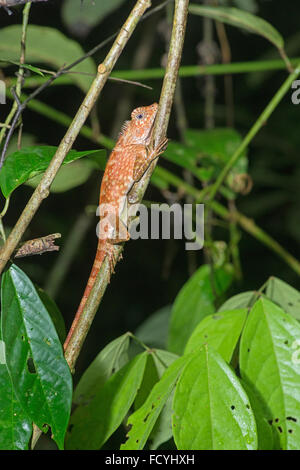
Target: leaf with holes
194, 302
28, 162
40, 375
107, 409
284, 295
211, 409
143, 420
270, 365
220, 330
111, 359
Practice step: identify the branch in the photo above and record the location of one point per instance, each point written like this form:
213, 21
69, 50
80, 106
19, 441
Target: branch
43, 189
161, 124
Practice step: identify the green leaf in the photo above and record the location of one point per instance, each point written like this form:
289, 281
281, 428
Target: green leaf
40, 375
111, 359
205, 152
269, 364
241, 19
211, 409
264, 429
162, 430
54, 312
284, 295
15, 425
25, 66
47, 46
67, 177
221, 331
187, 157
194, 302
143, 420
28, 162
215, 147
105, 412
81, 17
243, 300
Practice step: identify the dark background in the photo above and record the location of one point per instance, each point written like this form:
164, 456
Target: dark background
142, 283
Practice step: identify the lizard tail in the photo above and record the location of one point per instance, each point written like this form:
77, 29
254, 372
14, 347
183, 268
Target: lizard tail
102, 251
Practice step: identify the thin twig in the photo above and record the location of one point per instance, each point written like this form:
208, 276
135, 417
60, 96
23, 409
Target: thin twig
20, 77
161, 125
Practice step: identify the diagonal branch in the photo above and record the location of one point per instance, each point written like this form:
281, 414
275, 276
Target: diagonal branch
161, 124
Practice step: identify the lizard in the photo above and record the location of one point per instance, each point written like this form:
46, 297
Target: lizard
127, 163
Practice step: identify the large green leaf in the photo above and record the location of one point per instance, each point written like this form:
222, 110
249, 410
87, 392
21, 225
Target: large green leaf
28, 162
93, 423
67, 177
241, 19
107, 362
40, 375
15, 425
221, 331
81, 17
211, 409
194, 302
264, 429
162, 430
269, 364
284, 295
47, 46
142, 421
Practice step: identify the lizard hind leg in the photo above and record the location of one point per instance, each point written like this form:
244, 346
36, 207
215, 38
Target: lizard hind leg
112, 257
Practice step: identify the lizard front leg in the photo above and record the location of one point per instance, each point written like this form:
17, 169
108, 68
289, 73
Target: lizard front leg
144, 157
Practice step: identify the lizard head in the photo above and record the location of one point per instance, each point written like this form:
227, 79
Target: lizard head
139, 129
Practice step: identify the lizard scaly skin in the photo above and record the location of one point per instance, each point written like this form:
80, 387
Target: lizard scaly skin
126, 165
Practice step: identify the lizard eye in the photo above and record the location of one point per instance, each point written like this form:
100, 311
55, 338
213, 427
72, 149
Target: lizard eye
140, 116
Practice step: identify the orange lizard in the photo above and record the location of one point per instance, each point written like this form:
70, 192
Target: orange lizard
129, 160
